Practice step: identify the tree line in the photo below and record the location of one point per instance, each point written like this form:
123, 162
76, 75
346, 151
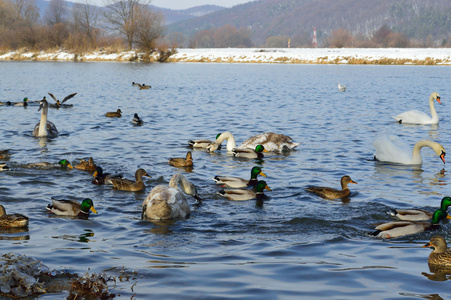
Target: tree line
229, 36
119, 25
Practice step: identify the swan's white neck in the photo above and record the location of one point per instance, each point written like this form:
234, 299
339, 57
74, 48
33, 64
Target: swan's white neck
231, 144
178, 180
43, 123
434, 114
416, 153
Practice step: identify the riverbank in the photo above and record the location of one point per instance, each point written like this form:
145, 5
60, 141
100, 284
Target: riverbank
384, 56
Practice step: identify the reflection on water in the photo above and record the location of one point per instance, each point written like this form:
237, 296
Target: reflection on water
293, 244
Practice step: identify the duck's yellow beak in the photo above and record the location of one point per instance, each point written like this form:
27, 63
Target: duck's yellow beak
70, 166
448, 216
264, 150
352, 181
427, 245
262, 174
93, 209
267, 187
95, 174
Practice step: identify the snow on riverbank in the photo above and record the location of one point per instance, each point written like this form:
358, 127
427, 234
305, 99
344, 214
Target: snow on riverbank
417, 56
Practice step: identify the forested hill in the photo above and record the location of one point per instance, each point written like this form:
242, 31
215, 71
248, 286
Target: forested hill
418, 19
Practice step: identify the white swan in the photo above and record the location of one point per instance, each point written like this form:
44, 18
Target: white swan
273, 142
419, 117
44, 128
395, 150
167, 201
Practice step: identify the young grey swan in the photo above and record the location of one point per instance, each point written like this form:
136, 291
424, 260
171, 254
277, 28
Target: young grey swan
44, 128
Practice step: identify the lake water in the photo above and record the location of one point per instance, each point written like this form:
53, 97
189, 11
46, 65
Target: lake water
296, 245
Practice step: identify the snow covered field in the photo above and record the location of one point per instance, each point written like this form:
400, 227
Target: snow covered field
422, 56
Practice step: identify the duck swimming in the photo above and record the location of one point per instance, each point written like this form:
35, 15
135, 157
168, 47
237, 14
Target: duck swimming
114, 114
441, 256
63, 164
137, 120
71, 207
130, 185
144, 86
101, 178
249, 153
44, 128
419, 117
402, 228
272, 142
168, 201
12, 220
331, 193
202, 143
87, 165
419, 214
245, 194
182, 162
24, 103
236, 182
393, 149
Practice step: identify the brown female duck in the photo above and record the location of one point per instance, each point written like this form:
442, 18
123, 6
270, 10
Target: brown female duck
331, 193
130, 185
182, 162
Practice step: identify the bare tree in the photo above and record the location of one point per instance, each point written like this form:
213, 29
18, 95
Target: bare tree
84, 17
56, 12
149, 27
123, 16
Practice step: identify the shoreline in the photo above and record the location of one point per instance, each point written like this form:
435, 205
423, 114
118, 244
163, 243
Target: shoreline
359, 56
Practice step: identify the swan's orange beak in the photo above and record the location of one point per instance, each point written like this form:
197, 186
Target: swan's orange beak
442, 156
438, 100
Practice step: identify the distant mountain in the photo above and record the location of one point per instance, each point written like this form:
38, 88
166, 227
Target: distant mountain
297, 18
172, 16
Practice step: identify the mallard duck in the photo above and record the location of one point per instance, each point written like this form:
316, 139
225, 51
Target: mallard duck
5, 154
419, 214
249, 153
419, 117
202, 143
101, 178
58, 103
273, 142
246, 194
114, 114
71, 207
331, 193
63, 164
401, 228
144, 86
182, 162
167, 201
24, 103
137, 120
393, 149
441, 255
44, 128
341, 88
12, 220
236, 182
87, 165
3, 167
130, 185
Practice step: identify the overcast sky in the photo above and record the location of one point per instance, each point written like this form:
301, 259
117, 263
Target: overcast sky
183, 4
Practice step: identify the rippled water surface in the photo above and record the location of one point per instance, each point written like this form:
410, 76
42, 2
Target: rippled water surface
296, 245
